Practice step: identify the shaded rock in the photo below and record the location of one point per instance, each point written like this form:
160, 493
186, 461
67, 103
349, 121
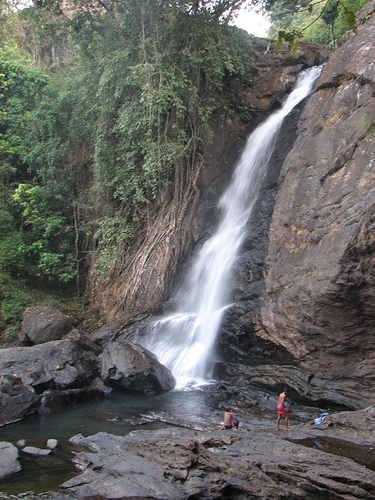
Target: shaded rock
45, 323
320, 285
348, 424
133, 367
16, 400
60, 364
9, 463
320, 387
53, 400
61, 371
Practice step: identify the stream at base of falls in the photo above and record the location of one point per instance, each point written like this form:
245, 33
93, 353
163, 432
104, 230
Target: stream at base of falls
118, 413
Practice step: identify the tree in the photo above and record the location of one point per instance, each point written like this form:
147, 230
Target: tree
320, 21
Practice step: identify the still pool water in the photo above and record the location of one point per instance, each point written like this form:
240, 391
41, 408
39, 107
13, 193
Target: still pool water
117, 414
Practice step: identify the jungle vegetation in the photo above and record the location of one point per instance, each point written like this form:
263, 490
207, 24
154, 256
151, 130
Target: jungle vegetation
98, 100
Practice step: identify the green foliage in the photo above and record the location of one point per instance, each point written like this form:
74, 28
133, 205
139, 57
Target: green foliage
112, 232
45, 235
321, 21
15, 297
156, 100
19, 88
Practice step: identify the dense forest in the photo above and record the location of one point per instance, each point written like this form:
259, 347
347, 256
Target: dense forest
100, 101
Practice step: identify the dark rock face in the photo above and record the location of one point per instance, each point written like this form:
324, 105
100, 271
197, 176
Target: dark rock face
16, 400
131, 366
320, 287
40, 377
305, 282
321, 280
45, 323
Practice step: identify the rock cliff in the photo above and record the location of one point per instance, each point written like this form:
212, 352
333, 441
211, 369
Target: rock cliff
308, 300
304, 290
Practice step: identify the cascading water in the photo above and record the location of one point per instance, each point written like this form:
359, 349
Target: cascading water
183, 341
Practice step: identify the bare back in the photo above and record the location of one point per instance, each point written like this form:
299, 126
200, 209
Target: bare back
282, 398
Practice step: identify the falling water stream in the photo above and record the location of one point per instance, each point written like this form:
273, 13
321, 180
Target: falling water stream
184, 341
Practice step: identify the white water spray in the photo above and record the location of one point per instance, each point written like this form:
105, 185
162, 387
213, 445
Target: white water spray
183, 342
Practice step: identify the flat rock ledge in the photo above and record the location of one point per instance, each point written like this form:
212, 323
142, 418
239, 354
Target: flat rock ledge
255, 462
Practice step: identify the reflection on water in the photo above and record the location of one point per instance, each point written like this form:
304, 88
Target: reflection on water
118, 414
362, 454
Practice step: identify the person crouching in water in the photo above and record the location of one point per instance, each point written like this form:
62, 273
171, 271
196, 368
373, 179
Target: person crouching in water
282, 409
229, 420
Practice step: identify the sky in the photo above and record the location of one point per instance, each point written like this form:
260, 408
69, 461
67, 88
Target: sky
252, 22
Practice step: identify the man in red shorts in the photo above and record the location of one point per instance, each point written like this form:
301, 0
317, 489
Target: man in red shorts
282, 409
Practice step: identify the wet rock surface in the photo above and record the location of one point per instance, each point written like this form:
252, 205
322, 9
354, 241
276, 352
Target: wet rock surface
193, 458
16, 400
60, 364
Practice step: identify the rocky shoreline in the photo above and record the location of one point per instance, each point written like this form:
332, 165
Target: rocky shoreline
190, 457
195, 459
186, 457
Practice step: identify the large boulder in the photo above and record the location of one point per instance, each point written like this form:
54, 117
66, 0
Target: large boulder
9, 463
45, 376
133, 367
45, 323
16, 400
61, 364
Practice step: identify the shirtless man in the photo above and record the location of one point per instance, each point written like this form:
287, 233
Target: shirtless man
229, 421
282, 410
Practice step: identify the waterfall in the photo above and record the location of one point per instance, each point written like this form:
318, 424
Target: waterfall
184, 341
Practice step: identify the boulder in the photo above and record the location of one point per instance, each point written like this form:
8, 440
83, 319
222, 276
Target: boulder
9, 463
16, 400
133, 367
46, 376
45, 323
52, 443
60, 364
